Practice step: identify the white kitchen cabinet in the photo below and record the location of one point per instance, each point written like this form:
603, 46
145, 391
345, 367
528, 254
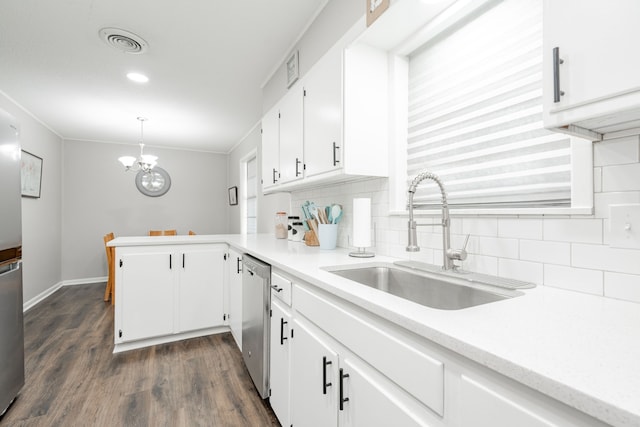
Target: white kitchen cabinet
314, 378
234, 278
270, 148
145, 294
346, 114
279, 368
200, 287
598, 75
291, 136
167, 293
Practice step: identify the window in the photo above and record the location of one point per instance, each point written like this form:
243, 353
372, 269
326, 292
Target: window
252, 196
475, 118
249, 193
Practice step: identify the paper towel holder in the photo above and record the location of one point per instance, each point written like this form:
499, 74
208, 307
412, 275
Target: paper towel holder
362, 251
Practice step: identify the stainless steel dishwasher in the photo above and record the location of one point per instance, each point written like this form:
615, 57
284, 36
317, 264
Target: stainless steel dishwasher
256, 302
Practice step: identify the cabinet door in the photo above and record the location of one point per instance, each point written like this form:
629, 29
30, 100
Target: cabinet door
279, 360
147, 295
235, 295
201, 299
291, 136
595, 43
270, 147
314, 370
323, 115
372, 401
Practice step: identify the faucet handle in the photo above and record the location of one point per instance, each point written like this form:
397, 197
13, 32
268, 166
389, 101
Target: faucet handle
459, 254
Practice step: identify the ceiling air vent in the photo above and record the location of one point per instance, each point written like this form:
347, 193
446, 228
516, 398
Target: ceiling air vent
124, 41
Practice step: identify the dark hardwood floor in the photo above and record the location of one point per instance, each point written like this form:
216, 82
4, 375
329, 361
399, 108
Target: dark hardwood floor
73, 379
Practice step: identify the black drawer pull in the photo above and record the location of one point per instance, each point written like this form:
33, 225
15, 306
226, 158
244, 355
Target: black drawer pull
325, 384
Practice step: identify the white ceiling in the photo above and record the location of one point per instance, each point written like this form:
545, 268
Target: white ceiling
206, 61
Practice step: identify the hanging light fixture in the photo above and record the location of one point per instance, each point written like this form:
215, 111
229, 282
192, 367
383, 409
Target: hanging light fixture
145, 162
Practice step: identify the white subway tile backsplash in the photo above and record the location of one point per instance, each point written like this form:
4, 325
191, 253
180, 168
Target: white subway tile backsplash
546, 252
621, 178
602, 257
602, 201
521, 270
480, 226
597, 180
622, 286
573, 230
499, 247
520, 228
574, 279
616, 151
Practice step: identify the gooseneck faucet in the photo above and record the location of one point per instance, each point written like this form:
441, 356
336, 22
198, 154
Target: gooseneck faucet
448, 254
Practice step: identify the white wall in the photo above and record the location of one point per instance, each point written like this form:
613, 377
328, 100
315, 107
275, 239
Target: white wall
570, 252
41, 218
100, 197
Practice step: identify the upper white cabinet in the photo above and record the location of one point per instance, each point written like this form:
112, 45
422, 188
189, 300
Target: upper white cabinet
591, 83
291, 135
271, 148
333, 125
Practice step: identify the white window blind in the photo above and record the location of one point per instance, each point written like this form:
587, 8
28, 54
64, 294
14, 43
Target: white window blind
475, 114
252, 196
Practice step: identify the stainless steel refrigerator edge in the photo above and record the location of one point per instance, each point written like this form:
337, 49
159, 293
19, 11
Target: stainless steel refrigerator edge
256, 306
11, 323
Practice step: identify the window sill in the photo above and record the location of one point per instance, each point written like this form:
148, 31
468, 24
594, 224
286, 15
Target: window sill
499, 212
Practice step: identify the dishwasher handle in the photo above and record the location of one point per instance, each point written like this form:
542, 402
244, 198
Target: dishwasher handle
10, 267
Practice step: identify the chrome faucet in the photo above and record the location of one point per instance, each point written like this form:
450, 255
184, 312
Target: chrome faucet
448, 254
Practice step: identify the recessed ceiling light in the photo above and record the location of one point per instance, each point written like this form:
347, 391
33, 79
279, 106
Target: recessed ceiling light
137, 77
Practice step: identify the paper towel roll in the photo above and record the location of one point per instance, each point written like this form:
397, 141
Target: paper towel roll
362, 222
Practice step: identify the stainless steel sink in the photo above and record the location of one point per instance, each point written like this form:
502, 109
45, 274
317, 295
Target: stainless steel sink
429, 289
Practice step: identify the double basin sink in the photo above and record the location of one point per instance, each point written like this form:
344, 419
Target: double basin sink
428, 285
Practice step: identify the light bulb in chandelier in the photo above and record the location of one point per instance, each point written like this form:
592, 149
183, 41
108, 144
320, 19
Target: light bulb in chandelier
145, 162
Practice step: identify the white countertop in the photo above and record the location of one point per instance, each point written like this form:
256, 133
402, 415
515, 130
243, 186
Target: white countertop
580, 349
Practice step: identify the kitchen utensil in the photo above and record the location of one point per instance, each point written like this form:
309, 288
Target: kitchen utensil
336, 213
327, 210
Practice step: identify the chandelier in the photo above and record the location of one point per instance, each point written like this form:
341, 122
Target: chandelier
145, 162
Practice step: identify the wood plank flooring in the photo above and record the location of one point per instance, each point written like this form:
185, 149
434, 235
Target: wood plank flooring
73, 379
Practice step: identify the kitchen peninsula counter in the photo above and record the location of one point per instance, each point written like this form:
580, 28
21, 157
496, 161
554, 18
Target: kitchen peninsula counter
580, 349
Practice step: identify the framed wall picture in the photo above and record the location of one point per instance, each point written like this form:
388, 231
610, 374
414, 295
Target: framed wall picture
233, 196
31, 174
292, 69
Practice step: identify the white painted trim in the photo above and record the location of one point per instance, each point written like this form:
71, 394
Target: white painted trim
126, 346
41, 297
29, 113
86, 281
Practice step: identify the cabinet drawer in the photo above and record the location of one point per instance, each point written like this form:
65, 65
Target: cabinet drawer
401, 360
281, 287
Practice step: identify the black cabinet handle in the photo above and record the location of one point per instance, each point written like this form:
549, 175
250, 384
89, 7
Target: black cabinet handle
342, 398
183, 255
282, 337
275, 288
335, 157
325, 384
557, 93
170, 261
298, 173
238, 269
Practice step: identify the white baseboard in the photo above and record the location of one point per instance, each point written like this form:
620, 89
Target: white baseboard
47, 292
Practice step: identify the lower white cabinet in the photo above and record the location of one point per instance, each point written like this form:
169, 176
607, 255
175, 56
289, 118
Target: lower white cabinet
234, 280
330, 386
167, 290
144, 295
345, 366
280, 341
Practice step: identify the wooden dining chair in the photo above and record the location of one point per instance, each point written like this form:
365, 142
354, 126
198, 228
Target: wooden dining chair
163, 232
109, 291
